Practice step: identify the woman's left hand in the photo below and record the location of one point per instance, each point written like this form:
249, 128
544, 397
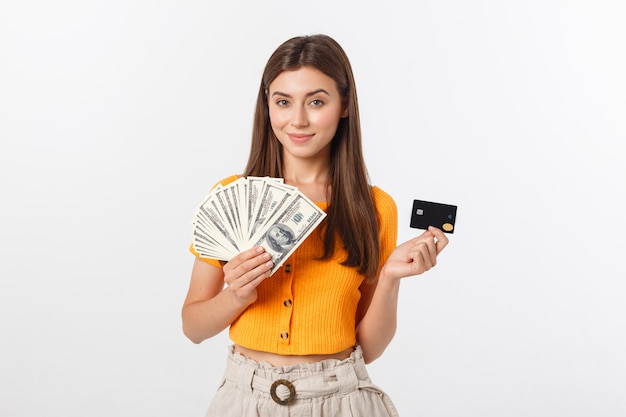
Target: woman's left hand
415, 256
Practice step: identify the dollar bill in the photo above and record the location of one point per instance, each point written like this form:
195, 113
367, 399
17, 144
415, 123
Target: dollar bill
273, 197
254, 211
210, 221
288, 228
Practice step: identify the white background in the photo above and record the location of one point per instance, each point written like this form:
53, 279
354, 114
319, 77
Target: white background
117, 116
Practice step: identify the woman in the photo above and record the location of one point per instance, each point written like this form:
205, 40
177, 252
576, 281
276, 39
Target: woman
301, 338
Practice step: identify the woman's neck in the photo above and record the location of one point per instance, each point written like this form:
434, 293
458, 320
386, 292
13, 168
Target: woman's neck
311, 179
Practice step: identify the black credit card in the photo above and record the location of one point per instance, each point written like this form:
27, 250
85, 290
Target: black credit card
427, 213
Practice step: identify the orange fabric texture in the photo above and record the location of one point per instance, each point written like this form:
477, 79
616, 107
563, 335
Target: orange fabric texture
309, 306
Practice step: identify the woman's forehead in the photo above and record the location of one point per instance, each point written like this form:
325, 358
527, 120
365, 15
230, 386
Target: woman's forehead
302, 81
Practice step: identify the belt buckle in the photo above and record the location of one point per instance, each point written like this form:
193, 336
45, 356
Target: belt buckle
290, 387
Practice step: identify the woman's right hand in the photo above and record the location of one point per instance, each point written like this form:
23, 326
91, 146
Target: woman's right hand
244, 272
210, 307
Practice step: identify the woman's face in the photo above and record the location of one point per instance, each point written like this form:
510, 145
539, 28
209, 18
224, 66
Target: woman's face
305, 109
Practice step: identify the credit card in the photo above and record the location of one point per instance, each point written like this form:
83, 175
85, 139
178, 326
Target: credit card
427, 213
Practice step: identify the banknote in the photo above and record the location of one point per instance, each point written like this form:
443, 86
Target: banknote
254, 211
287, 229
273, 197
210, 229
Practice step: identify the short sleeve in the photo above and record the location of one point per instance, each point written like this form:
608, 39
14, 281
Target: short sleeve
387, 223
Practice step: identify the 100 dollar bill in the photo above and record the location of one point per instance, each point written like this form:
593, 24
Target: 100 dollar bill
254, 211
285, 231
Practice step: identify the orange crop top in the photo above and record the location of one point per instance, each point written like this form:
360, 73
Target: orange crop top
309, 306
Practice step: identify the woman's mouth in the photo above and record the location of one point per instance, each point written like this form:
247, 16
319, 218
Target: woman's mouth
299, 137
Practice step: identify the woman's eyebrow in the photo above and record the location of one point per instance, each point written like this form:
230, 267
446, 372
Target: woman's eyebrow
312, 93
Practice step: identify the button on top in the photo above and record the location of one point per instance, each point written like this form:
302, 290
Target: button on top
284, 335
287, 267
287, 303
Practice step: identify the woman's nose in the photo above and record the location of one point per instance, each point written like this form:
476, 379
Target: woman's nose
299, 118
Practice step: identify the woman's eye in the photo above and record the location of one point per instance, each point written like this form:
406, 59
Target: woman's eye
317, 102
282, 102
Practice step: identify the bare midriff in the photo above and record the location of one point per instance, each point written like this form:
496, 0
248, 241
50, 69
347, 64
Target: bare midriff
285, 360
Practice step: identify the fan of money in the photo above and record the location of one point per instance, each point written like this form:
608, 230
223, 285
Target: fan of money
254, 211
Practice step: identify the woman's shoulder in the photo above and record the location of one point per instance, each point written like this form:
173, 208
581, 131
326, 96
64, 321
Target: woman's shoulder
381, 197
227, 180
385, 204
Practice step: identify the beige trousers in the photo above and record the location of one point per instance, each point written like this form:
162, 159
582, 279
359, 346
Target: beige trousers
330, 388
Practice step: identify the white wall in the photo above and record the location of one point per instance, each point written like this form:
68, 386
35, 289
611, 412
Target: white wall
116, 117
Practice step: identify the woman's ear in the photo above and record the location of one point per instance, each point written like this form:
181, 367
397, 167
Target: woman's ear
346, 109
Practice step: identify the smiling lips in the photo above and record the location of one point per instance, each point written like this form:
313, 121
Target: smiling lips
299, 137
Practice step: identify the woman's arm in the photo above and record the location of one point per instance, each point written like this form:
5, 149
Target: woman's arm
216, 297
378, 307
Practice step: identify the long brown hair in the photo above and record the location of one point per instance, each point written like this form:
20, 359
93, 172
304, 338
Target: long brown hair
351, 213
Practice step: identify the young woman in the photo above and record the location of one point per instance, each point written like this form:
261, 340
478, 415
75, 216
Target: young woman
301, 338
